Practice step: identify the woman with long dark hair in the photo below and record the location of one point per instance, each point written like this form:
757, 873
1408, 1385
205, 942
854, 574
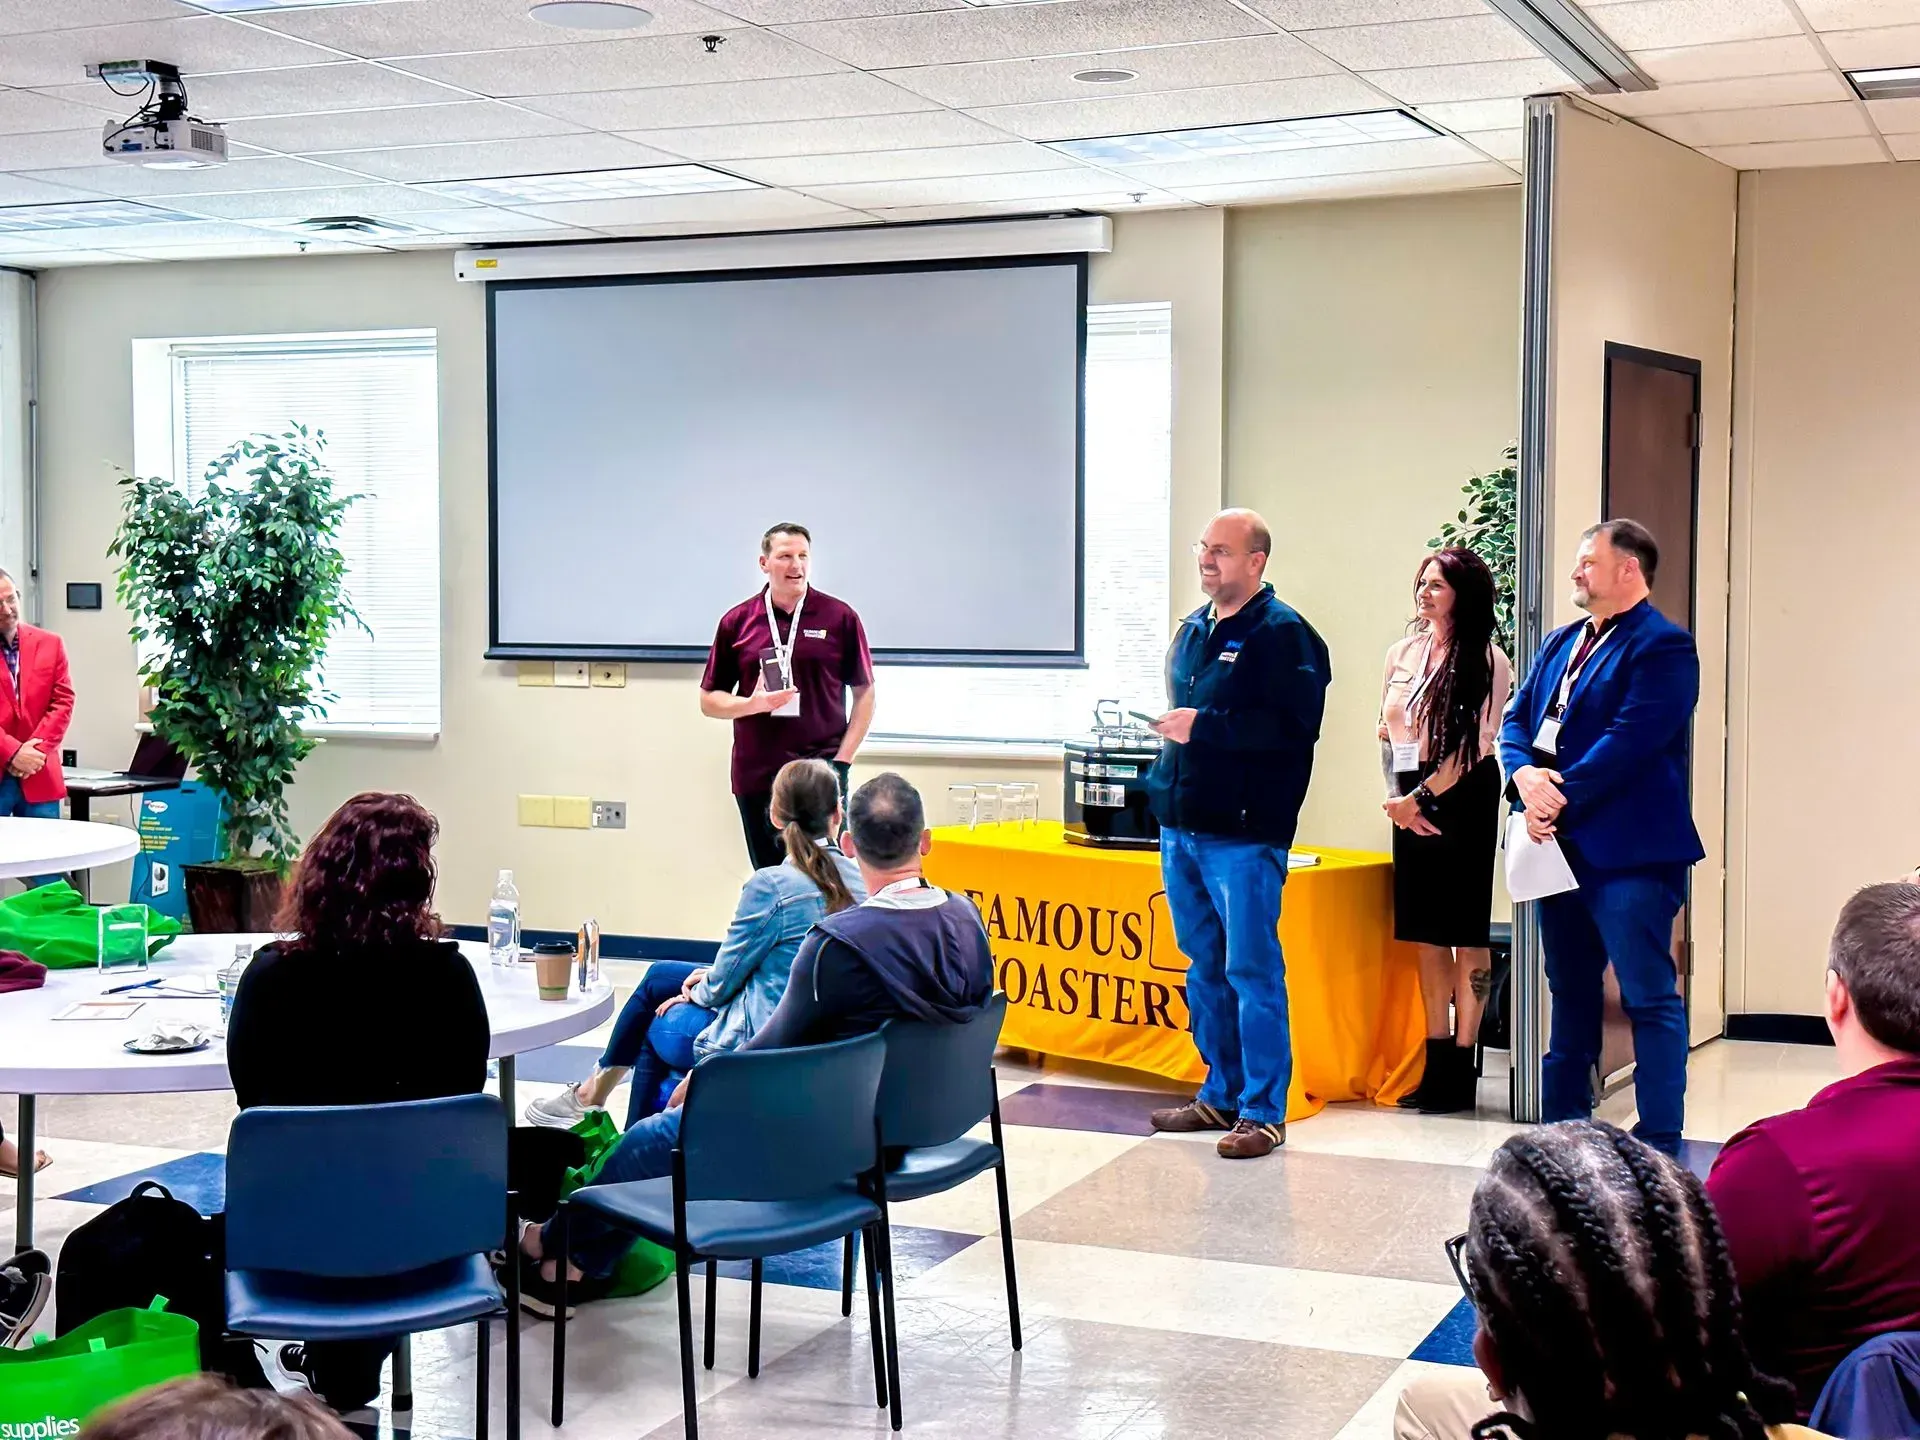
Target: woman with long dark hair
362, 1003
1606, 1305
1446, 685
680, 1013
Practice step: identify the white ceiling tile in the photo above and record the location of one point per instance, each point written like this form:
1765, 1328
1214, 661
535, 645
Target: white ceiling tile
263, 248
1743, 94
727, 207
1008, 158
1748, 127
165, 232
1488, 80
1647, 24
1083, 186
1688, 63
63, 259
463, 121
280, 205
138, 182
548, 155
1477, 176
1183, 175
1891, 117
50, 149
309, 90
205, 44
1500, 144
913, 214
1159, 67
626, 64
23, 17
794, 12
29, 190
1798, 153
1863, 49
1904, 147
1460, 41
1322, 14
476, 220
921, 129
1183, 109
1858, 14
1006, 32
1463, 115
804, 97
443, 27
24, 112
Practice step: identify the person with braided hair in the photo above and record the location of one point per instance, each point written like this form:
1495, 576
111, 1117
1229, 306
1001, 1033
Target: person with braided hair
1606, 1303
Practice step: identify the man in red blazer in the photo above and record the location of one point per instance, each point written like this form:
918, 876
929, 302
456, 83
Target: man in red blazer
36, 703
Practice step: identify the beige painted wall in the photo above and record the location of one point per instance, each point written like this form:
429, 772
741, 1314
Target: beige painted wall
1643, 254
676, 869
1826, 525
1372, 367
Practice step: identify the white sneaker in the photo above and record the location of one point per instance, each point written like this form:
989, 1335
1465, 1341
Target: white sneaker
560, 1111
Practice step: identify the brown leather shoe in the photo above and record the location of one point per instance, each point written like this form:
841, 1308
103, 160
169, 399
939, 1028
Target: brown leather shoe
1191, 1118
1249, 1140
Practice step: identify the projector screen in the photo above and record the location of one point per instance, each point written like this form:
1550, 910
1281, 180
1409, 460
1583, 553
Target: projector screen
923, 421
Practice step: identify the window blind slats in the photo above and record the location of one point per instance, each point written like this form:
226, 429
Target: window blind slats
376, 401
1129, 400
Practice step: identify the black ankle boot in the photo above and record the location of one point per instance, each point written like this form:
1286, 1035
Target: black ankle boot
1459, 1089
1430, 1079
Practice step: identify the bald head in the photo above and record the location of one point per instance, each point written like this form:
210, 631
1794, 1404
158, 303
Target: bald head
1233, 553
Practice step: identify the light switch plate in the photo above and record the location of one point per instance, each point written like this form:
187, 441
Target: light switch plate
535, 672
571, 673
572, 812
536, 809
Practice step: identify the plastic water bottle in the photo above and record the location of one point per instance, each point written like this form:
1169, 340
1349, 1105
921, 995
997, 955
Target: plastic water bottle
503, 922
228, 982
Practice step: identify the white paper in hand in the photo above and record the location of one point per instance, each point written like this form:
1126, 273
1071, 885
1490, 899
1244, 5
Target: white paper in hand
1535, 870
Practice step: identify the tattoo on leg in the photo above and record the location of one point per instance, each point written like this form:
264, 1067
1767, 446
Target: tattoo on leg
1481, 982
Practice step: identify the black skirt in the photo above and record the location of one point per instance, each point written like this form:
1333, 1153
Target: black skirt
1443, 884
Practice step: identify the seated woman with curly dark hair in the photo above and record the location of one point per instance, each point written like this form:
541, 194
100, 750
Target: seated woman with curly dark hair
1606, 1304
363, 1003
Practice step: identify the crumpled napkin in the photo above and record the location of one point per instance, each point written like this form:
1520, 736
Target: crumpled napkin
172, 1033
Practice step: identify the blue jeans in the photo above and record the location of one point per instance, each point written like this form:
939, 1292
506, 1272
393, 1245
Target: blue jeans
1626, 917
645, 1152
1224, 896
655, 1047
12, 802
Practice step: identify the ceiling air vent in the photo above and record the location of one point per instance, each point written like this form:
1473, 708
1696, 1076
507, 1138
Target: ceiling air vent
354, 225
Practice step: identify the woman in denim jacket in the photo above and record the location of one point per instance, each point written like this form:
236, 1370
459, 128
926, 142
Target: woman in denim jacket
680, 1013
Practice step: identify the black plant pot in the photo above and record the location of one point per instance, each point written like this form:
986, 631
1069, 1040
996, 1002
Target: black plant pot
227, 899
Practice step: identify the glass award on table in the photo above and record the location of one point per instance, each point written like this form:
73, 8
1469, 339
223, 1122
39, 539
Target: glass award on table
123, 937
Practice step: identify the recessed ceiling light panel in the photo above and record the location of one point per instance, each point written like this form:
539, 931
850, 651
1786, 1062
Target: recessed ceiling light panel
1898, 82
1106, 77
594, 185
82, 215
1264, 137
590, 14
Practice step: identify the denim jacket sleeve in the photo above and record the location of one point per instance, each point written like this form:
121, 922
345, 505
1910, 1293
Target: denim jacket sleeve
749, 940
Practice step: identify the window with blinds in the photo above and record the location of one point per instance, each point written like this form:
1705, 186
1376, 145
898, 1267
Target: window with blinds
375, 398
1129, 400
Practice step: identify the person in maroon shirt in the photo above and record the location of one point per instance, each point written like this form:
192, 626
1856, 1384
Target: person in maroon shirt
781, 667
1818, 1204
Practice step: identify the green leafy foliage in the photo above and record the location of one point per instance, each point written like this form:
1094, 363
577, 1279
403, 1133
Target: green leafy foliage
1487, 526
234, 593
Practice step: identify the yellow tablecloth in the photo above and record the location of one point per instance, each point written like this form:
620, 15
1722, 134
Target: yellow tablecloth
1084, 948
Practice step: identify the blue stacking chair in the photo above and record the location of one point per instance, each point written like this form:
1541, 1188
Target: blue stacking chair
778, 1151
357, 1222
939, 1083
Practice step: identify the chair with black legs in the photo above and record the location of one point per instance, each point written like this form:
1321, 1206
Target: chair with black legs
365, 1222
778, 1151
938, 1084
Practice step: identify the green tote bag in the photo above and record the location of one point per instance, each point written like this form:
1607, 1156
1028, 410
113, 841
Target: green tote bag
56, 926
646, 1264
48, 1392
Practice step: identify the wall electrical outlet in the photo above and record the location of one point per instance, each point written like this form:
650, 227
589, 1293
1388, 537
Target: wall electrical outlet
610, 674
572, 673
609, 814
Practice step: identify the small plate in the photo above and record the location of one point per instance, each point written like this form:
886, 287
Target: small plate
136, 1048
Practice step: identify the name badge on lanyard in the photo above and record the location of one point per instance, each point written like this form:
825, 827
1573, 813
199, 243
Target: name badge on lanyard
1546, 740
1406, 757
777, 673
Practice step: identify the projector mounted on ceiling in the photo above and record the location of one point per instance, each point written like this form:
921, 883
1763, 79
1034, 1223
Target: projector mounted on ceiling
161, 134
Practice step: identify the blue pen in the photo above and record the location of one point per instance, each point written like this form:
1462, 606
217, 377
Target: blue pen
122, 989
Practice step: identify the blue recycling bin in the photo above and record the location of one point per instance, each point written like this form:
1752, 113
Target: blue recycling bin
177, 827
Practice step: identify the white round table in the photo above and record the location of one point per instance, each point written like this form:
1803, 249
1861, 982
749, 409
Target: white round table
60, 847
43, 1056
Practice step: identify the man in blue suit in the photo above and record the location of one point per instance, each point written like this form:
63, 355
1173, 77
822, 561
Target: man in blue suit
1596, 747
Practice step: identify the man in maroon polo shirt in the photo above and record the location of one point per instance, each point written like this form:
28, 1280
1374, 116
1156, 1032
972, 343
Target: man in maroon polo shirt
1819, 1204
781, 667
